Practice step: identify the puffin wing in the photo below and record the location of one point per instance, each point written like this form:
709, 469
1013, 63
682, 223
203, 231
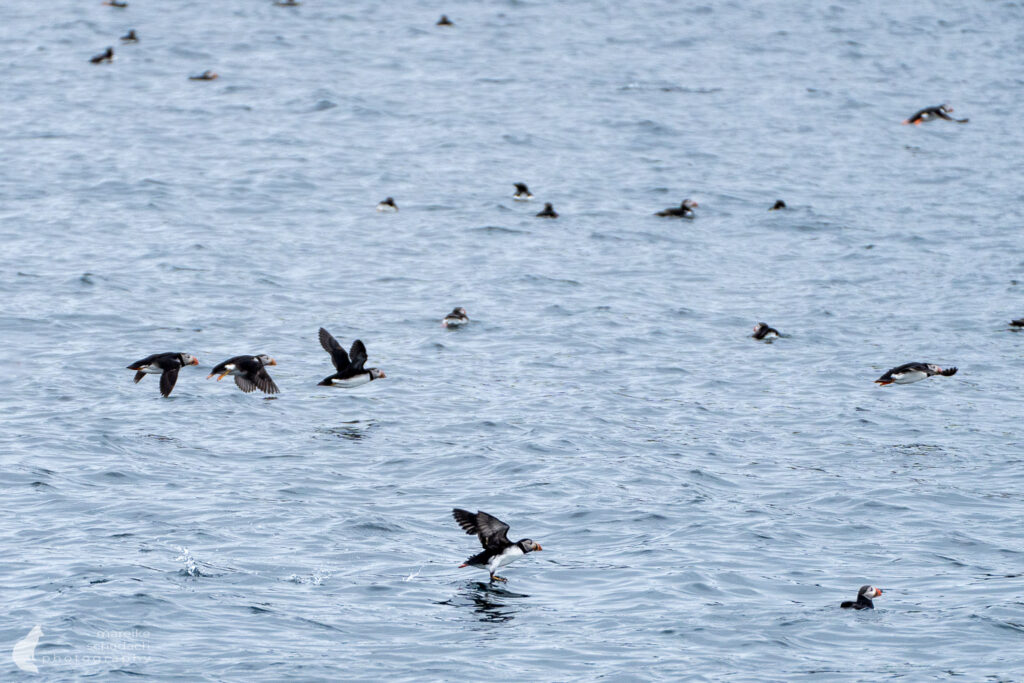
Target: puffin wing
264, 382
245, 382
331, 346
357, 356
489, 529
167, 380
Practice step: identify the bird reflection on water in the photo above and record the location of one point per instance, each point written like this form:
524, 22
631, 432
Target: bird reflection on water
487, 601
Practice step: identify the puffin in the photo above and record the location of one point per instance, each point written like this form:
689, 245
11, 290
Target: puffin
763, 331
547, 212
522, 193
166, 364
493, 535
443, 21
942, 111
250, 373
105, 56
115, 3
863, 601
286, 3
779, 204
205, 76
1019, 322
387, 206
457, 318
130, 37
349, 366
908, 373
685, 210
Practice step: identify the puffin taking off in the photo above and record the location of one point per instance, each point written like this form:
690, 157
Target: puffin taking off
547, 212
1019, 322
106, 56
762, 331
779, 204
349, 366
930, 113
456, 318
864, 596
205, 76
909, 373
443, 21
387, 206
685, 210
522, 193
167, 364
250, 373
130, 37
493, 535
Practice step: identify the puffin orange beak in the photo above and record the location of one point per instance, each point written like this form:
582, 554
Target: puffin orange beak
195, 361
209, 376
273, 362
383, 376
538, 547
878, 591
222, 376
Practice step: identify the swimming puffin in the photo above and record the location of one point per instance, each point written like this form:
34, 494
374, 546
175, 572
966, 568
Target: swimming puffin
167, 364
250, 373
547, 212
493, 535
779, 204
909, 373
522, 193
287, 3
864, 596
106, 56
929, 113
130, 37
456, 318
443, 21
349, 366
763, 331
1019, 322
205, 76
685, 210
387, 206
115, 3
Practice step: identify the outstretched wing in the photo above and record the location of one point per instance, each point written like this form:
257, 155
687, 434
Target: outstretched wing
244, 383
331, 346
265, 383
489, 529
357, 356
167, 380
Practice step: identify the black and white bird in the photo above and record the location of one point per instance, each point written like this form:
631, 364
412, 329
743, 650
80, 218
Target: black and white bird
250, 373
685, 210
1019, 322
105, 56
942, 111
444, 21
493, 534
522, 193
547, 212
763, 331
130, 37
205, 76
164, 364
349, 366
864, 596
387, 206
908, 373
457, 318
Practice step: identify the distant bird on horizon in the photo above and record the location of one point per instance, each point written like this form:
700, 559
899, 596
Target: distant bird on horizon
779, 204
443, 21
1019, 322
130, 37
864, 596
763, 331
205, 76
547, 212
250, 373
115, 3
908, 373
931, 113
349, 366
166, 365
457, 318
493, 534
387, 206
287, 3
522, 193
684, 210
105, 56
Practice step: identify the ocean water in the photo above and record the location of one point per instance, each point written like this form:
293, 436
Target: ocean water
704, 501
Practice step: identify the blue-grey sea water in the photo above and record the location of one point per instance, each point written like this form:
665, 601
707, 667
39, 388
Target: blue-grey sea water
704, 501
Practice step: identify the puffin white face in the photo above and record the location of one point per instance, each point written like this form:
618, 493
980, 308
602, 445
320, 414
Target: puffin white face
375, 373
934, 368
531, 545
266, 360
871, 592
189, 359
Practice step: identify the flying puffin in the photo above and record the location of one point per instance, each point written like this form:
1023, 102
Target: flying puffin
1019, 322
547, 212
762, 331
522, 193
387, 206
684, 210
943, 111
250, 373
105, 56
205, 76
456, 318
864, 596
908, 373
349, 366
167, 364
493, 535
